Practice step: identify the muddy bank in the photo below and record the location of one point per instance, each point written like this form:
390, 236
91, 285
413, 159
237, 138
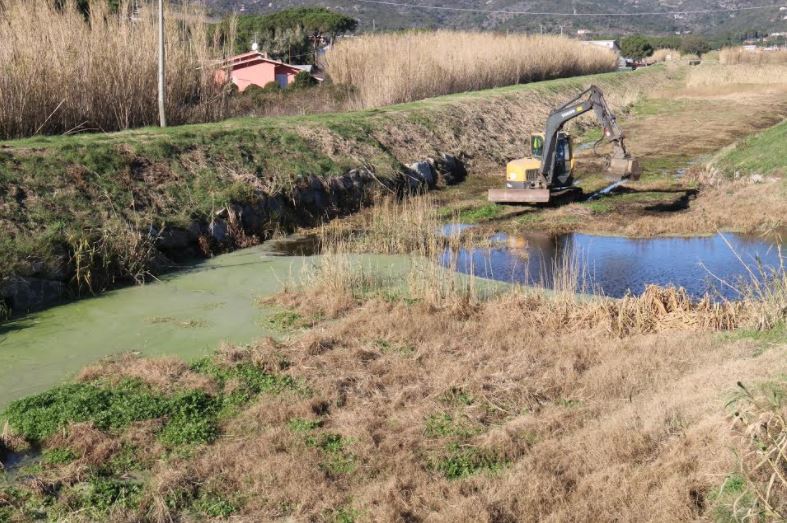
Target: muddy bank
311, 202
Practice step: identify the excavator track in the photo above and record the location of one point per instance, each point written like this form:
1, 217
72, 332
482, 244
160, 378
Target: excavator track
534, 195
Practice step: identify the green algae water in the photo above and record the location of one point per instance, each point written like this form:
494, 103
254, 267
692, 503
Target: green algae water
187, 314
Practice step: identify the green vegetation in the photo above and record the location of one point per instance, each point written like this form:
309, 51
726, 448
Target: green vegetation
58, 456
732, 500
459, 461
599, 206
192, 416
764, 153
472, 214
289, 34
215, 506
458, 457
694, 44
181, 419
388, 347
636, 47
285, 320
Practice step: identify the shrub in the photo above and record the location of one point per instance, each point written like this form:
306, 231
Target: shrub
636, 47
302, 80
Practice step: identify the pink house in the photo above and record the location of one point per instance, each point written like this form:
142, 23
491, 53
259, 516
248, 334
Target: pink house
255, 68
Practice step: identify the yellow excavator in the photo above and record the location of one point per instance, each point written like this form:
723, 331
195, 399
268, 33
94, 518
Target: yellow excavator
549, 170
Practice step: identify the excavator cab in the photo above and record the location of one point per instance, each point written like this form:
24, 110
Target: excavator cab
524, 173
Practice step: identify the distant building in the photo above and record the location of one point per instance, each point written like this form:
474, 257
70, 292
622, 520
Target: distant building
612, 45
255, 68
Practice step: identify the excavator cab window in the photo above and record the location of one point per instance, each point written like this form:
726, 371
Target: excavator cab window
537, 146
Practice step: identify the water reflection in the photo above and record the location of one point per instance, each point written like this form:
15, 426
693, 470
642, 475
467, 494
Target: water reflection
615, 265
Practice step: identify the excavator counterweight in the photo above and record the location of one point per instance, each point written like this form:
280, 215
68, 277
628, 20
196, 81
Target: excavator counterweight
548, 172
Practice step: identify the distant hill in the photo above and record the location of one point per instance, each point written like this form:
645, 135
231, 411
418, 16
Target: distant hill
393, 17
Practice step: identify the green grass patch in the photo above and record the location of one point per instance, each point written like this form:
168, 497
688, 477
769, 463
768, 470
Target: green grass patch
600, 206
480, 214
731, 501
457, 397
389, 347
285, 321
214, 506
459, 461
58, 456
653, 168
764, 153
39, 416
192, 416
531, 218
446, 425
302, 426
103, 494
659, 106
336, 459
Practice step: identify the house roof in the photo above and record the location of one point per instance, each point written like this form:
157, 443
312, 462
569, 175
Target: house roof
254, 57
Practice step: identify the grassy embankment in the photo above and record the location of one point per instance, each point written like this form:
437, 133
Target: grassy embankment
415, 397
79, 208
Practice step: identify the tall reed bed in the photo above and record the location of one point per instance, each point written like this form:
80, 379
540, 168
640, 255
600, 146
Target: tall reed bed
714, 75
739, 55
62, 71
402, 67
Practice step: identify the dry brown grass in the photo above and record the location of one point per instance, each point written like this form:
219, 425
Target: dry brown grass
664, 55
62, 73
403, 67
714, 75
164, 374
739, 55
582, 423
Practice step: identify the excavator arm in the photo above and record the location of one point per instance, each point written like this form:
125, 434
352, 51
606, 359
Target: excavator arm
621, 164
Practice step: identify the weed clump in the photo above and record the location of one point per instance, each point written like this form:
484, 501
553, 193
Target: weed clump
759, 487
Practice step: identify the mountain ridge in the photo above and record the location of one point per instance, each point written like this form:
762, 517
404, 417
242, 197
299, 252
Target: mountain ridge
390, 17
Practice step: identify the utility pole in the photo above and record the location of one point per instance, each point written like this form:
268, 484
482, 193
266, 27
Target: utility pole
161, 86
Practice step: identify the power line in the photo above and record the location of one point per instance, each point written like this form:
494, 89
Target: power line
535, 13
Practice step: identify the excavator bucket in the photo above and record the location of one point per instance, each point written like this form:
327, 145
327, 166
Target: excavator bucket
519, 195
624, 168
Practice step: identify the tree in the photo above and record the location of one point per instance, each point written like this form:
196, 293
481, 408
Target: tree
695, 45
290, 34
636, 47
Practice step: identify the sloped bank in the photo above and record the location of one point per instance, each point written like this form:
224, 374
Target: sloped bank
84, 213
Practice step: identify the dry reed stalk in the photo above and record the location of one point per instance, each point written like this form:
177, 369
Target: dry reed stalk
739, 55
761, 419
664, 55
714, 75
402, 67
61, 72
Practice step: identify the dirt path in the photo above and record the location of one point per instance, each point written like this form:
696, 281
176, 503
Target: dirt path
671, 132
